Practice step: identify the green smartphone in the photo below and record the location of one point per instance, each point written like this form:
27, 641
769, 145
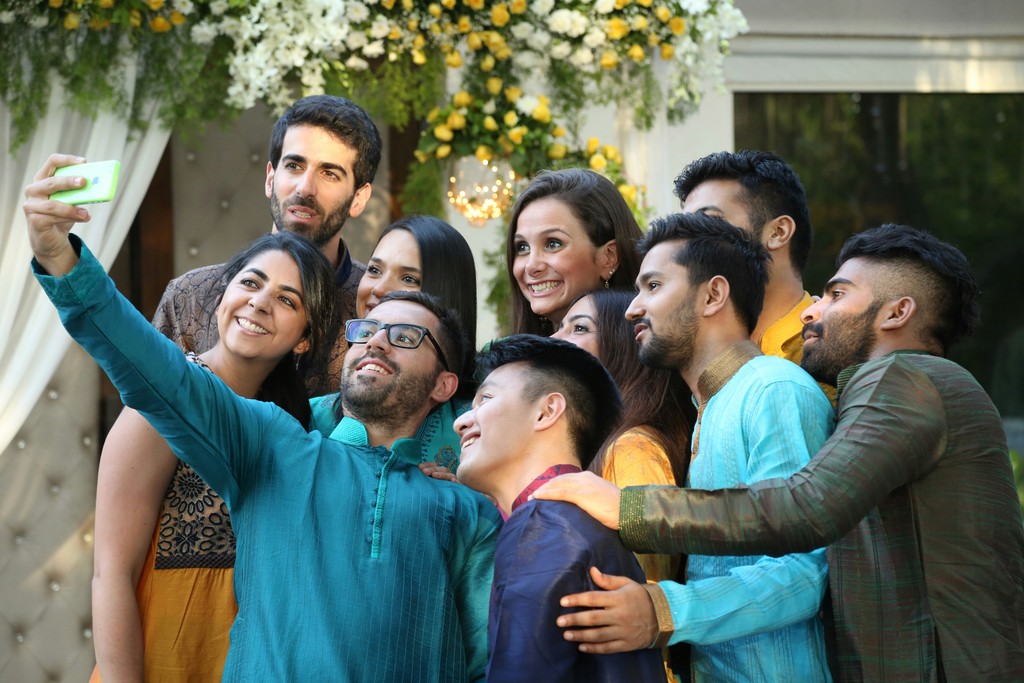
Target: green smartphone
100, 182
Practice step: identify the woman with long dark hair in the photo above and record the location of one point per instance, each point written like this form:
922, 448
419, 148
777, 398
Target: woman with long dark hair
570, 232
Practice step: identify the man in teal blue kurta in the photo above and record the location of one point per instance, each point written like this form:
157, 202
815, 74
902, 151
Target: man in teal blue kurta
351, 565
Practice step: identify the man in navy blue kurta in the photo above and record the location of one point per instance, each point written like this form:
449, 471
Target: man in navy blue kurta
351, 565
544, 409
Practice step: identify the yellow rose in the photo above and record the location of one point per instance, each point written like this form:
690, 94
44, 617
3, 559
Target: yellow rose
456, 121
557, 150
474, 42
71, 21
443, 151
103, 4
513, 93
511, 118
434, 113
436, 30
663, 13
495, 41
448, 4
503, 53
653, 40
609, 60
619, 4
421, 156
484, 153
462, 99
487, 63
617, 28
434, 9
418, 58
645, 3
159, 25
592, 145
419, 41
413, 25
517, 134
177, 18
395, 33
464, 24
518, 7
453, 59
154, 4
558, 132
474, 4
612, 153
506, 146
667, 50
494, 85
639, 23
56, 3
677, 25
407, 5
387, 4
135, 18
541, 113
443, 133
628, 192
636, 53
544, 100
598, 162
490, 124
500, 15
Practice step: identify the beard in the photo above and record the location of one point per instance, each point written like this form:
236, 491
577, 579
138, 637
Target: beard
674, 348
330, 223
388, 401
846, 339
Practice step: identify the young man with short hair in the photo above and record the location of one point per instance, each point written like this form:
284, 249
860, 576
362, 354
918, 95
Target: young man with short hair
544, 408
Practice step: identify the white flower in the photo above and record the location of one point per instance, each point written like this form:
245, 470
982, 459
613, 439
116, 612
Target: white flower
380, 27
582, 57
539, 40
695, 7
374, 49
490, 107
604, 6
542, 7
522, 30
357, 63
7, 17
527, 103
356, 40
39, 21
203, 33
218, 7
560, 49
312, 79
560, 21
595, 37
357, 12
528, 60
184, 6
579, 24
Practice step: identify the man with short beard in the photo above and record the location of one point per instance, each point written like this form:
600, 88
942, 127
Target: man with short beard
914, 491
324, 153
351, 565
702, 284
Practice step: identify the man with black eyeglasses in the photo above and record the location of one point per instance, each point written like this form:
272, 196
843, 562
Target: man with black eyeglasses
351, 564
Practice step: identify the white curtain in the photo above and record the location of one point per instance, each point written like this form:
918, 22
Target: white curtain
32, 342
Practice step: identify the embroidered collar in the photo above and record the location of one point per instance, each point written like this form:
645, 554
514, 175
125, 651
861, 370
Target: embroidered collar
722, 368
548, 474
846, 374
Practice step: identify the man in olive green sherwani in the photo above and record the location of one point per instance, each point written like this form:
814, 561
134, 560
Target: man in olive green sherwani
914, 490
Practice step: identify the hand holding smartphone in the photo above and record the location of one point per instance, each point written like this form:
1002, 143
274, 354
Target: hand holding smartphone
100, 182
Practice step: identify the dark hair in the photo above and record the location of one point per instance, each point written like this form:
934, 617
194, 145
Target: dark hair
449, 334
715, 247
344, 120
934, 272
447, 271
285, 385
593, 405
771, 188
596, 203
654, 398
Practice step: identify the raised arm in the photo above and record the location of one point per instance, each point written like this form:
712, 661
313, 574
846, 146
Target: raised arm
135, 468
49, 222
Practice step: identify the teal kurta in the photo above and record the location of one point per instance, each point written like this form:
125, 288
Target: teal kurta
351, 565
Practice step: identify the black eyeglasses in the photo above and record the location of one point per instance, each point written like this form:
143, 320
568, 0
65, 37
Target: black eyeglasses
402, 335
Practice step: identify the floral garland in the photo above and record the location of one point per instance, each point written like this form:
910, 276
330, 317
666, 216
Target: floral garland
525, 69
